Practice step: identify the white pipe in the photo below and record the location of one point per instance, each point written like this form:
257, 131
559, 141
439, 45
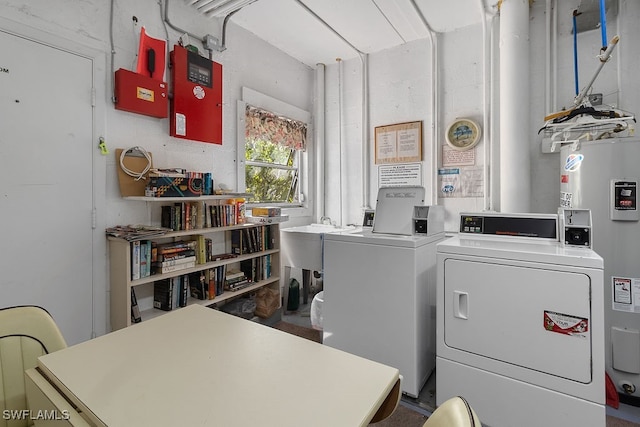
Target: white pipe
366, 150
319, 142
494, 111
365, 111
554, 43
486, 106
619, 100
340, 132
435, 126
548, 64
515, 164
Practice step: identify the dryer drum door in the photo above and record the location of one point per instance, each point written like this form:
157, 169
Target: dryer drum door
524, 315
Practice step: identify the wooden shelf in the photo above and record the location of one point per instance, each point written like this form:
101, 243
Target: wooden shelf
227, 295
120, 268
187, 199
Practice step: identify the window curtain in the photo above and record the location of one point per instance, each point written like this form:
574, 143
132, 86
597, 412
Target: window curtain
266, 126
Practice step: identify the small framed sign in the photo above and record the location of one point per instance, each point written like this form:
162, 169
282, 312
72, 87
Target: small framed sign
399, 143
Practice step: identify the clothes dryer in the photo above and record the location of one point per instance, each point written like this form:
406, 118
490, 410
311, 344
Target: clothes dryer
520, 323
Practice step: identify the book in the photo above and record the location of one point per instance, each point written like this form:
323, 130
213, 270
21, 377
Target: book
234, 274
135, 260
200, 248
174, 261
221, 272
184, 290
177, 267
211, 283
266, 211
166, 215
218, 257
238, 285
236, 242
197, 287
163, 294
145, 258
172, 247
185, 253
135, 310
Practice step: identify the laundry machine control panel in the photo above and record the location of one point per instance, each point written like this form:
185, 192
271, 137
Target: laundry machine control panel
544, 226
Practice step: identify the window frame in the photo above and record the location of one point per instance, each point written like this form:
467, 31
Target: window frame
257, 99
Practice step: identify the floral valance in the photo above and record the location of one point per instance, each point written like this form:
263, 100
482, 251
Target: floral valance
266, 126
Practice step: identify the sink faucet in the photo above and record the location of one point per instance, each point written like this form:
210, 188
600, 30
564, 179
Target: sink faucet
325, 220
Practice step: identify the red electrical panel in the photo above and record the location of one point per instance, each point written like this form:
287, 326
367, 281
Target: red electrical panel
196, 105
140, 94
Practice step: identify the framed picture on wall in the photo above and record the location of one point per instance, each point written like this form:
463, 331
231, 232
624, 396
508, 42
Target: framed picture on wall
398, 143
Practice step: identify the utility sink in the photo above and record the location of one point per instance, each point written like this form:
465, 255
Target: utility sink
301, 247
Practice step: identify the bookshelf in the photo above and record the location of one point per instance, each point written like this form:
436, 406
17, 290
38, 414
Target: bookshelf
121, 253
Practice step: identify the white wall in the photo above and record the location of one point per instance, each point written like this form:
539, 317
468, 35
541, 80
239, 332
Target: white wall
247, 61
400, 92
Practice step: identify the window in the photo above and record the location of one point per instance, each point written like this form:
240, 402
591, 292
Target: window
281, 158
273, 144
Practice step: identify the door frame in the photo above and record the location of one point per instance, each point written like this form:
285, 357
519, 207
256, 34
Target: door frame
98, 57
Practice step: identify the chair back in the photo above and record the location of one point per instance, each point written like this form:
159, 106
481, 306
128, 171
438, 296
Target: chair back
26, 333
454, 412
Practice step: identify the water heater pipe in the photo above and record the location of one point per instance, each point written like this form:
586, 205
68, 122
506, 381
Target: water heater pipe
515, 163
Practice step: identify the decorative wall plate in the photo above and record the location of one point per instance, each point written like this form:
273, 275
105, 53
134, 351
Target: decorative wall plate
463, 134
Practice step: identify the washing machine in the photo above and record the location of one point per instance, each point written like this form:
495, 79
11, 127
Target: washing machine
379, 287
520, 321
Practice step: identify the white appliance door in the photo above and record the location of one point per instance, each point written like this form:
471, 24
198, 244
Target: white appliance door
534, 318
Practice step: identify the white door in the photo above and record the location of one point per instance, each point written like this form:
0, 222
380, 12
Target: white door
46, 176
535, 318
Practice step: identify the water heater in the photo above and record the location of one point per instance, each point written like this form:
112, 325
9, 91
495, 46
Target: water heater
603, 176
196, 105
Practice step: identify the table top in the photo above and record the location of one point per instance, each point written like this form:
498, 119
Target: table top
198, 366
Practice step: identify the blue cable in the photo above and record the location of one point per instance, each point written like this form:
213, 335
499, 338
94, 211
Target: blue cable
575, 51
603, 24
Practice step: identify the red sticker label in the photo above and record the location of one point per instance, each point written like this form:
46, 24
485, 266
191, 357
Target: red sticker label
564, 179
566, 324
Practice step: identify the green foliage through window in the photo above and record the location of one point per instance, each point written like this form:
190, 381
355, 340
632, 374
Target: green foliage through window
270, 174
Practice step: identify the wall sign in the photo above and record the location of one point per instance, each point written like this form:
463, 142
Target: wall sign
409, 174
399, 143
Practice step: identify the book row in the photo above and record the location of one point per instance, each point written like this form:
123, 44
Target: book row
149, 257
200, 214
207, 284
249, 240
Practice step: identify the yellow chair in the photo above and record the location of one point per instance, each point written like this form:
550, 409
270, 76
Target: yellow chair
455, 412
26, 332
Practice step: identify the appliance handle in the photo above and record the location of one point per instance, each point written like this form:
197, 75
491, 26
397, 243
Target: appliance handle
461, 305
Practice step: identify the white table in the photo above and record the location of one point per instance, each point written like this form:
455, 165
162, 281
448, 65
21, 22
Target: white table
196, 366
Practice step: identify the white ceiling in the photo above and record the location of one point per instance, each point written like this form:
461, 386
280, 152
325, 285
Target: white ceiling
301, 27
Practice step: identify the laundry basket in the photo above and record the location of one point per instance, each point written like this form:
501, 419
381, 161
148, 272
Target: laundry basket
316, 310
